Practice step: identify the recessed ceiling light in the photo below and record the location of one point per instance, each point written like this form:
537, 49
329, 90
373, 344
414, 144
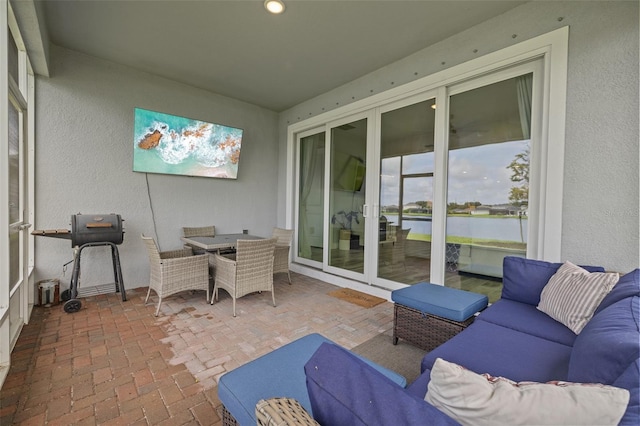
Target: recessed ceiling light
274, 6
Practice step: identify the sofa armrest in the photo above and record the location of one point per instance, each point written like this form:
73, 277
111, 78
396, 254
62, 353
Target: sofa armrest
344, 390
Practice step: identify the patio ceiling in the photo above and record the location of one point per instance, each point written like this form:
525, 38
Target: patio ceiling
237, 49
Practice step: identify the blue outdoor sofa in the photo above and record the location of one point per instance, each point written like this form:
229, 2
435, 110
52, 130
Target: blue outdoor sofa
511, 339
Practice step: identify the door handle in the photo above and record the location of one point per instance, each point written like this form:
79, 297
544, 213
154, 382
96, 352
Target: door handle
24, 226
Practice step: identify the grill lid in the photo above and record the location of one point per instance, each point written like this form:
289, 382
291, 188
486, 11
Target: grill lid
89, 228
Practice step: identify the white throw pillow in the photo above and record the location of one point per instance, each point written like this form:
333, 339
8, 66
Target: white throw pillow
573, 294
474, 399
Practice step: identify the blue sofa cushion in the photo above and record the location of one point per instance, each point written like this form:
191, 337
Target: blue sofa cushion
485, 347
419, 386
346, 391
608, 344
523, 279
527, 319
608, 351
627, 286
445, 302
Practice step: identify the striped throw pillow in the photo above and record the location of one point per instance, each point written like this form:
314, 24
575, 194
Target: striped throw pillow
573, 294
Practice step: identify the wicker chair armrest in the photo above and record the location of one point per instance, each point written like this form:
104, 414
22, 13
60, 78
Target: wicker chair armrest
188, 261
185, 252
224, 267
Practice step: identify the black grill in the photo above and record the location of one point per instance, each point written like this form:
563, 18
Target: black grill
90, 230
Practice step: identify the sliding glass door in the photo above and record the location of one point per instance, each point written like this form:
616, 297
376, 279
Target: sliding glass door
434, 187
488, 181
406, 192
347, 197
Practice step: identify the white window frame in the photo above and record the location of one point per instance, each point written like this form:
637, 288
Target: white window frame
16, 303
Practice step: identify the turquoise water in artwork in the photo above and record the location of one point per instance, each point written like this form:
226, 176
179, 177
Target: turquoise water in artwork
165, 143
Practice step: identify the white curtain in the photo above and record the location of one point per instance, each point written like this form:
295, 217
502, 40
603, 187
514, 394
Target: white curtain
309, 148
524, 89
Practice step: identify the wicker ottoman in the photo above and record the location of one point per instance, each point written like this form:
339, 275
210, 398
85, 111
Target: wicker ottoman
427, 315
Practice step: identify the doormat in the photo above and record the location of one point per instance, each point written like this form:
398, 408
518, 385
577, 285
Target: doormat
356, 297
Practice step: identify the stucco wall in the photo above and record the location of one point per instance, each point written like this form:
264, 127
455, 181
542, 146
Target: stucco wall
84, 159
600, 208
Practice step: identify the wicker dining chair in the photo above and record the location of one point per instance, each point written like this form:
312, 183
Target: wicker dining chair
281, 254
398, 252
175, 271
199, 231
251, 271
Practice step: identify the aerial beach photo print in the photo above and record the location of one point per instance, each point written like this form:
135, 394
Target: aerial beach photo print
170, 144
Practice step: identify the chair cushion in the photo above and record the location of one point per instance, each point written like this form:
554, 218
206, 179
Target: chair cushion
573, 294
445, 302
523, 279
475, 399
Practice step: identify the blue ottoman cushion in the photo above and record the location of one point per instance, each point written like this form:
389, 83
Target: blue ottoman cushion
445, 302
281, 374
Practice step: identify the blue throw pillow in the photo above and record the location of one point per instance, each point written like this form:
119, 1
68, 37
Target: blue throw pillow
627, 286
523, 279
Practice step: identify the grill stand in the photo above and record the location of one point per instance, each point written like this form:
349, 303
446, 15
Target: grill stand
74, 304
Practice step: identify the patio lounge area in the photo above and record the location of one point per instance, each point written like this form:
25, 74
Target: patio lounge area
114, 362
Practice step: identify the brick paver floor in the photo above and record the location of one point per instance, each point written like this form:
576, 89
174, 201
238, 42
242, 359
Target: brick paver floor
115, 363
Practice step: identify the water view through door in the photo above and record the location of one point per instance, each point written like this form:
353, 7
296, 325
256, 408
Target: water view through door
488, 182
406, 193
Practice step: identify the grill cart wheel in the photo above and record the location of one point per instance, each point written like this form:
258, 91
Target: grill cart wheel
72, 305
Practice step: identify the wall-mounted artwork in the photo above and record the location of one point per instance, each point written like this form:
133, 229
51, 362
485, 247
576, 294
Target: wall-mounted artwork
175, 145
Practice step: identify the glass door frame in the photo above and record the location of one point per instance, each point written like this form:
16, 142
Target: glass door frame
534, 67
370, 168
296, 216
16, 298
379, 111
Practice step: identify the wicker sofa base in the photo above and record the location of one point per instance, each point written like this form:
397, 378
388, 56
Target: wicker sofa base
424, 330
227, 418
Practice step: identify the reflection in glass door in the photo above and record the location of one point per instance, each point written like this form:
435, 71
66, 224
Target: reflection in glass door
488, 182
348, 154
406, 193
